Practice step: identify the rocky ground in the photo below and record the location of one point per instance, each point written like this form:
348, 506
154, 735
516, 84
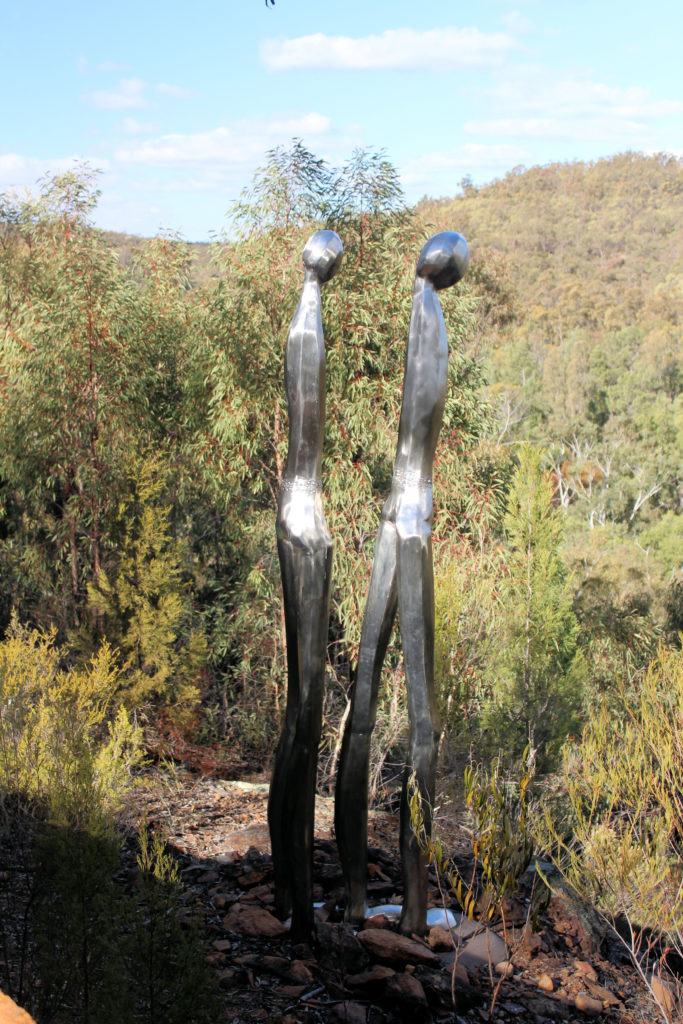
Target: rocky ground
566, 970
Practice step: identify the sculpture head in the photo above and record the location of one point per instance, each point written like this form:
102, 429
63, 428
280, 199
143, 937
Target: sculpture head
444, 259
323, 254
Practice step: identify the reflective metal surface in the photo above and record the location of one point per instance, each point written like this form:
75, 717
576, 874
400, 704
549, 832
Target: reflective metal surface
305, 552
402, 580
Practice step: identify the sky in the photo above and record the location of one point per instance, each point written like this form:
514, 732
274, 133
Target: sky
177, 104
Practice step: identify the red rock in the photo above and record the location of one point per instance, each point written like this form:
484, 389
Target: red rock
532, 941
300, 972
545, 983
600, 992
440, 938
375, 977
460, 972
340, 947
349, 1013
407, 990
222, 945
215, 959
291, 991
394, 948
378, 921
276, 964
263, 893
586, 970
254, 921
591, 1007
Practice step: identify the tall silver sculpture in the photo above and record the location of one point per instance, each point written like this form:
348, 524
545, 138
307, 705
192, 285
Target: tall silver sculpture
402, 578
305, 552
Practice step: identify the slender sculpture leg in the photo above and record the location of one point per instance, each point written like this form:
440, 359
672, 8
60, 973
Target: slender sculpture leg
416, 616
280, 781
292, 797
351, 798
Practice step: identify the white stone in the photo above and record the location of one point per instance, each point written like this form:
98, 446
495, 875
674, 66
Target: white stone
443, 918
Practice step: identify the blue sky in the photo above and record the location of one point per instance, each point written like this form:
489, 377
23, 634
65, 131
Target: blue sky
178, 104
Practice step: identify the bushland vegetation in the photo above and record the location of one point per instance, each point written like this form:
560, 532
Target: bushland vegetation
143, 434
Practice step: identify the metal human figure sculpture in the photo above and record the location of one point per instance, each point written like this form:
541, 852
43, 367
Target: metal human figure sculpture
305, 552
402, 578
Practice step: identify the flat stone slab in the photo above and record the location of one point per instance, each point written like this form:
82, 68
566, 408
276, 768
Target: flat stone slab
482, 949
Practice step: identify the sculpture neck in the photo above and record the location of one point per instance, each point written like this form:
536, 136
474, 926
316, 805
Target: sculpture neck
305, 384
425, 384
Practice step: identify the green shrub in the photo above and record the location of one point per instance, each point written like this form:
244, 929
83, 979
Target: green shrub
619, 840
502, 844
165, 960
143, 603
62, 747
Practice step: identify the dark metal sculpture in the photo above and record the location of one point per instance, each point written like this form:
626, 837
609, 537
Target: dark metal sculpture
402, 578
305, 552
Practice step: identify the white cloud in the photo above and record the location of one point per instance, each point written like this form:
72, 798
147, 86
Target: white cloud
538, 104
235, 144
404, 49
165, 89
109, 66
131, 126
589, 128
127, 96
435, 173
516, 22
538, 89
19, 172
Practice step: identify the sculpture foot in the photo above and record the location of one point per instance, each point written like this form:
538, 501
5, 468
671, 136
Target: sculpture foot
283, 905
354, 916
413, 924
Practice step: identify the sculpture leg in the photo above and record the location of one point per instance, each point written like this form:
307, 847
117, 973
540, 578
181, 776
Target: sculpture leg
416, 616
280, 777
306, 586
351, 794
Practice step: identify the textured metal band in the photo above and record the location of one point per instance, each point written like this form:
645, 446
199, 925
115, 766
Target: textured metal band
301, 483
411, 478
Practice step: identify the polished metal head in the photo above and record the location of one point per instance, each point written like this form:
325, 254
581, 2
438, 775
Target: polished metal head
444, 259
323, 254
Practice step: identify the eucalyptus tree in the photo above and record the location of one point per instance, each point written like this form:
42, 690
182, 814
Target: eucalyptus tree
72, 393
90, 361
532, 683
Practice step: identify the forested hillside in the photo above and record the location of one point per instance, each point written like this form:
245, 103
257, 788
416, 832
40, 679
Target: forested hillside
580, 272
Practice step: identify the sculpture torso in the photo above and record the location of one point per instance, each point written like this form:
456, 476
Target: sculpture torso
409, 504
300, 517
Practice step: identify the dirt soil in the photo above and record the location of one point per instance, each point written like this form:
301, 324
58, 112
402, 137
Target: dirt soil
567, 970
